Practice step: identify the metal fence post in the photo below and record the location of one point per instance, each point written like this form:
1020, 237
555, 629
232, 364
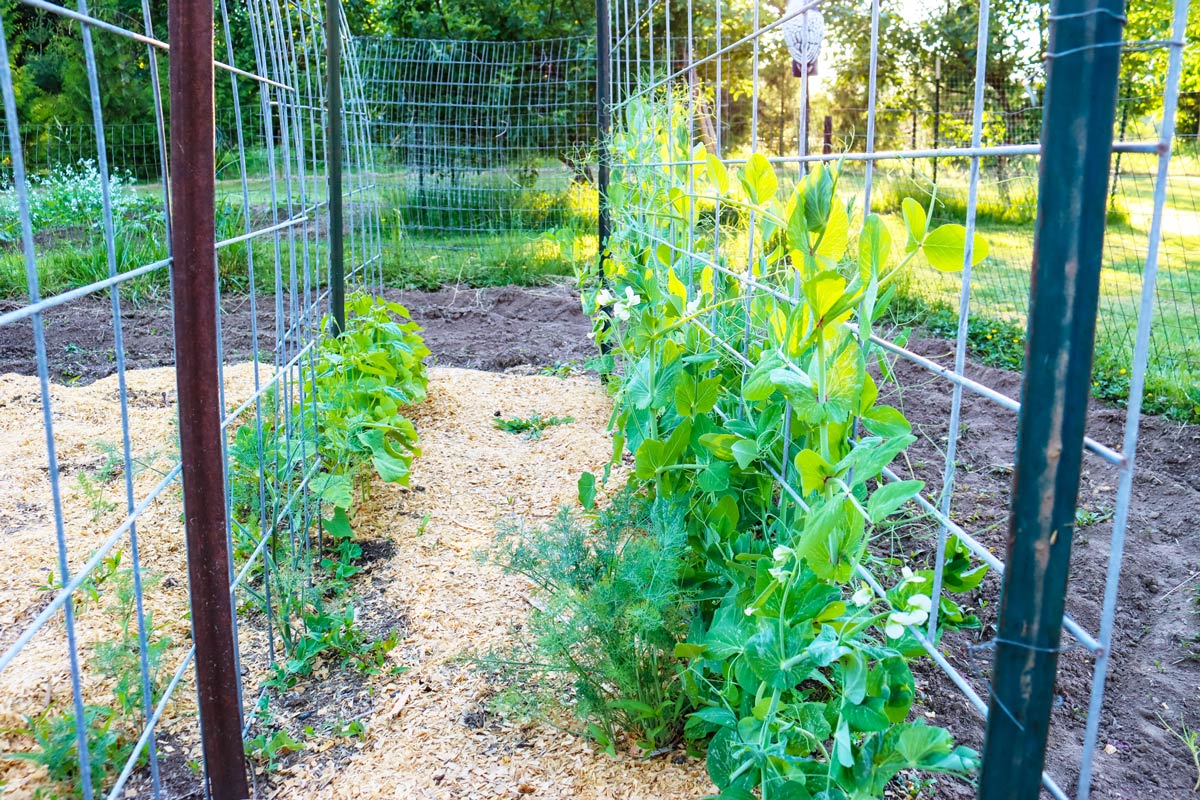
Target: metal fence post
198, 376
333, 121
1077, 139
603, 123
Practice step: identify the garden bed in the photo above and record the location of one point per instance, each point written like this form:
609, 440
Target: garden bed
489, 329
432, 731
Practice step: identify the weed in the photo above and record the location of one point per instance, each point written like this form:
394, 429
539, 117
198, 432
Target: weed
1085, 517
268, 749
532, 426
111, 730
1190, 739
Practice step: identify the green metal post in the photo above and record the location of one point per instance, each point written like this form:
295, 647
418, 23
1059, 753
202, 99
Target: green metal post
333, 112
1077, 140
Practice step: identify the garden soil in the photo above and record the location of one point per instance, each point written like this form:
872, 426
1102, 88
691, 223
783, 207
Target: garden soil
489, 329
432, 731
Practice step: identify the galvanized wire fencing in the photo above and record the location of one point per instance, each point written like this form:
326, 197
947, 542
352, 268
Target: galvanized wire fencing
105, 657
482, 147
939, 116
678, 140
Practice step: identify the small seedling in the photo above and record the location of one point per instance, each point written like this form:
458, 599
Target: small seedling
1085, 518
1189, 738
271, 748
531, 426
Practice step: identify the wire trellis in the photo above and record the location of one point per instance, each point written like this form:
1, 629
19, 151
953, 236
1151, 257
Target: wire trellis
273, 248
689, 66
481, 144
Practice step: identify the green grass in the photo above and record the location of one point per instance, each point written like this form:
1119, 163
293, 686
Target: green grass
1000, 288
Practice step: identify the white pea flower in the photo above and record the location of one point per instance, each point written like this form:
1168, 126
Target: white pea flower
863, 595
909, 577
604, 297
782, 553
632, 298
920, 601
916, 613
693, 306
621, 311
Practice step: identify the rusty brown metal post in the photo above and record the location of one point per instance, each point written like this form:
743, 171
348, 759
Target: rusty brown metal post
198, 375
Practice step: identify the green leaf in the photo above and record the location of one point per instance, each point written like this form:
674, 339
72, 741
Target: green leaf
758, 179
725, 756
888, 498
338, 526
814, 471
826, 649
690, 650
714, 477
865, 717
650, 457
336, 490
946, 248
745, 451
874, 246
915, 222
885, 421
870, 455
719, 444
776, 662
718, 173
831, 543
391, 466
587, 490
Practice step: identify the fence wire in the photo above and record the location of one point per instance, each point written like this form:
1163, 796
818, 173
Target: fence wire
482, 147
95, 649
711, 76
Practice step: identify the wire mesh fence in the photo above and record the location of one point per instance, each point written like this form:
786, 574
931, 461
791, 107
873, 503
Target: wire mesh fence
705, 221
483, 147
99, 666
1006, 205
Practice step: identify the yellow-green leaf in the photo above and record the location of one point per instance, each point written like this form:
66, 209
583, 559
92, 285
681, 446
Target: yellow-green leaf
946, 247
759, 180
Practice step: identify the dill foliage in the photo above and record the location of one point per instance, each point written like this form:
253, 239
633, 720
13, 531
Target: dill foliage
610, 608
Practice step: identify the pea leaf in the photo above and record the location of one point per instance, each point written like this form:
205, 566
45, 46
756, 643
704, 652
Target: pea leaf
874, 246
887, 499
650, 457
885, 421
946, 248
778, 662
915, 222
587, 490
336, 490
719, 444
338, 526
758, 179
718, 173
745, 451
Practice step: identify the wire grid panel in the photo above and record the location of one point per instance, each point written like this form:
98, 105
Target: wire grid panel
479, 139
937, 113
694, 76
98, 657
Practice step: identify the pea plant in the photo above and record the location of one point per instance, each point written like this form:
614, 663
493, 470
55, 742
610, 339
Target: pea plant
742, 316
362, 381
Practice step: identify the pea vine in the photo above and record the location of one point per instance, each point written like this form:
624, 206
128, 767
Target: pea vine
742, 316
